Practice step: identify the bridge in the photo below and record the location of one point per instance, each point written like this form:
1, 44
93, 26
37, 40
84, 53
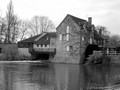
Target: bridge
42, 53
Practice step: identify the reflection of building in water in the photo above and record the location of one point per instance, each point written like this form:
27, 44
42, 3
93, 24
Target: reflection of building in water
6, 78
67, 77
61, 77
57, 77
1, 77
22, 77
95, 77
42, 76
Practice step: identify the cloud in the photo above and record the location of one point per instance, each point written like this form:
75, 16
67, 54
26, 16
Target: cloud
104, 12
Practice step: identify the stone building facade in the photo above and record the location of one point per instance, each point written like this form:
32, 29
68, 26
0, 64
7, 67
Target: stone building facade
73, 35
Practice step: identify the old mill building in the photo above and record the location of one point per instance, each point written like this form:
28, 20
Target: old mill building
67, 44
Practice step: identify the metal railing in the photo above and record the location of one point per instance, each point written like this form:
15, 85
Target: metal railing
111, 52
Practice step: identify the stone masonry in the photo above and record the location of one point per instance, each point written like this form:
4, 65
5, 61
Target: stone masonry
72, 38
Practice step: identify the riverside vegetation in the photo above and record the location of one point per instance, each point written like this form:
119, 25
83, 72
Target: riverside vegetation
99, 58
10, 53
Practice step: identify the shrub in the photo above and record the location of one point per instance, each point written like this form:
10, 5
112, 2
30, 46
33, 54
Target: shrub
24, 57
10, 52
115, 59
96, 57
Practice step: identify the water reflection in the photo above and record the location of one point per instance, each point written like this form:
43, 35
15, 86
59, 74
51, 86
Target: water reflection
37, 76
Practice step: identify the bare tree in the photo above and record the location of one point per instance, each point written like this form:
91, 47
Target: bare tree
9, 18
34, 25
12, 22
46, 24
40, 24
2, 29
23, 30
15, 28
102, 30
114, 40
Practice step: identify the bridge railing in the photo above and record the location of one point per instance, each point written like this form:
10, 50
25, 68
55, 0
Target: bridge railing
110, 52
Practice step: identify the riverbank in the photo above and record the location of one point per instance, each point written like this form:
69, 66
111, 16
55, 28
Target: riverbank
20, 61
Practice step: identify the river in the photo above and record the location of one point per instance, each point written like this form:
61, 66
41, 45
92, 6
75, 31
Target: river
38, 76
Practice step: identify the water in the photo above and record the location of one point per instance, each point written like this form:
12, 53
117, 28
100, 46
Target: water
37, 76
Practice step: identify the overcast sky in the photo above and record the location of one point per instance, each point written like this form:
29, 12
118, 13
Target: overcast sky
103, 12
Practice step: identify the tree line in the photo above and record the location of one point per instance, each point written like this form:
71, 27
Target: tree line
13, 28
113, 39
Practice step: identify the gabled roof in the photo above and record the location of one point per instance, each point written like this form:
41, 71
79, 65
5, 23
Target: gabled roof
46, 38
40, 39
42, 35
31, 39
75, 19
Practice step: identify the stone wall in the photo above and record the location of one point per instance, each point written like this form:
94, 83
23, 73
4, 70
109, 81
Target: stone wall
62, 54
53, 42
78, 40
24, 52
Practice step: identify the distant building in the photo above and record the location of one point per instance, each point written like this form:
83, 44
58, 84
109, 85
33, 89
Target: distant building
42, 44
73, 36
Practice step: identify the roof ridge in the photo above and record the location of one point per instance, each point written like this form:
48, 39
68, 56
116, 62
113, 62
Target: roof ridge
30, 38
77, 17
43, 34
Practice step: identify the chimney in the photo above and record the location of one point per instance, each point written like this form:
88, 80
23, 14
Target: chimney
90, 20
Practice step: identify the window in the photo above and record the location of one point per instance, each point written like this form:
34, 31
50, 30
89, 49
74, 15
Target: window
60, 37
64, 37
83, 38
37, 45
67, 37
90, 40
71, 48
45, 45
67, 48
0, 50
47, 38
67, 29
41, 45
